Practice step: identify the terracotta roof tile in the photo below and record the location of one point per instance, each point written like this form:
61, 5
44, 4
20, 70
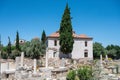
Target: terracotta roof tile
83, 36
56, 35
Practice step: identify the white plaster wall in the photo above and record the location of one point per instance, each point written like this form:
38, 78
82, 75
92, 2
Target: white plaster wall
51, 45
78, 48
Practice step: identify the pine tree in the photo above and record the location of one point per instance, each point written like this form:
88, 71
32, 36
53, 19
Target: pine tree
43, 38
17, 42
66, 38
9, 47
0, 44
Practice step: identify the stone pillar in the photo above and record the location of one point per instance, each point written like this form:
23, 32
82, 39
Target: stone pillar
35, 65
8, 65
63, 62
101, 65
22, 58
106, 57
0, 54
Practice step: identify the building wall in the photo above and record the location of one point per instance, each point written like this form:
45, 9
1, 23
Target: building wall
51, 45
78, 48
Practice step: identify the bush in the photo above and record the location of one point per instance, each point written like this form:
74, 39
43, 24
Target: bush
83, 73
4, 55
110, 59
14, 54
71, 75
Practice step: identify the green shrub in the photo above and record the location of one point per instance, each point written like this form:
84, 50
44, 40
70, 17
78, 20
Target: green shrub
4, 55
14, 54
84, 73
71, 75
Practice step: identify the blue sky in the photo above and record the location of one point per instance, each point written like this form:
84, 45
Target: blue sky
99, 19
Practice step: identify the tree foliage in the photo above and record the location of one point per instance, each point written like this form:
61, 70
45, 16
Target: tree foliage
1, 46
14, 54
17, 41
66, 38
98, 49
43, 38
113, 51
34, 49
9, 51
4, 55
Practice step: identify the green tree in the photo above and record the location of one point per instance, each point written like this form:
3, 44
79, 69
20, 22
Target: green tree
1, 47
17, 42
25, 48
34, 49
43, 41
98, 49
9, 51
14, 54
0, 44
66, 38
4, 48
4, 54
113, 51
43, 38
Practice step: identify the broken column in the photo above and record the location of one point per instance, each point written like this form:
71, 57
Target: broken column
106, 57
35, 64
22, 58
8, 65
101, 65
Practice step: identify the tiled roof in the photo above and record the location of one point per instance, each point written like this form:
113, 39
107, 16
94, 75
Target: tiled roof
36, 38
56, 35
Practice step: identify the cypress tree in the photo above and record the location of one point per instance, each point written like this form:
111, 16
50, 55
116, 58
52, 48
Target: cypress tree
17, 42
9, 47
43, 38
0, 44
66, 38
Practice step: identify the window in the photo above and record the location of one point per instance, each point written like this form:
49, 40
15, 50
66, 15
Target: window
54, 54
86, 53
85, 43
55, 42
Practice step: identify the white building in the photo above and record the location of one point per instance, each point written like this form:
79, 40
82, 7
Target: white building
82, 47
21, 41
